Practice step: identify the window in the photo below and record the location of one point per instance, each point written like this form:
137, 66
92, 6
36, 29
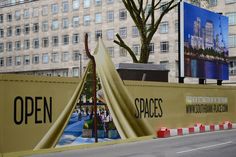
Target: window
123, 52
18, 60
9, 46
17, 45
9, 31
164, 64
98, 17
45, 10
75, 4
76, 56
1, 62
55, 57
36, 43
65, 56
176, 46
45, 58
86, 20
65, 23
45, 42
110, 34
212, 3
86, 3
26, 29
26, 60
75, 21
232, 41
35, 12
65, 39
1, 47
110, 1
75, 38
54, 8
123, 32
9, 61
9, 17
45, 26
35, 59
230, 1
1, 33
55, 40
123, 14
111, 51
35, 27
65, 7
164, 27
135, 32
18, 30
17, 15
232, 18
98, 34
110, 16
176, 26
26, 44
26, 13
151, 48
75, 72
55, 24
1, 18
136, 49
98, 2
164, 46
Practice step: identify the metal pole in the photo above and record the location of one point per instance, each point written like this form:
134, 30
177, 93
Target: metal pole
94, 86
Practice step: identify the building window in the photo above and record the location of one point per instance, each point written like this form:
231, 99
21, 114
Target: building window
176, 46
110, 16
75, 72
123, 52
1, 62
123, 14
164, 64
9, 31
1, 33
98, 34
17, 45
45, 42
17, 15
123, 32
65, 39
26, 13
232, 18
98, 17
26, 44
45, 58
45, 10
86, 3
9, 46
1, 47
164, 46
98, 2
176, 26
232, 41
135, 32
65, 23
230, 1
36, 43
55, 41
35, 59
110, 1
110, 34
65, 7
136, 49
75, 21
35, 12
75, 4
55, 25
164, 27
26, 29
9, 61
35, 27
18, 60
75, 38
1, 18
18, 30
9, 17
45, 26
55, 57
151, 48
76, 56
65, 56
86, 20
111, 51
26, 60
212, 3
54, 8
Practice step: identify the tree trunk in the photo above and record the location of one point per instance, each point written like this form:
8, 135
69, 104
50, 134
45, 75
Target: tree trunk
144, 52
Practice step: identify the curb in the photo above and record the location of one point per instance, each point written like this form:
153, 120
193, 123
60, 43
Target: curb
197, 128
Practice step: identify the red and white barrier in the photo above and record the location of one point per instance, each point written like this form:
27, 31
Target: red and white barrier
197, 128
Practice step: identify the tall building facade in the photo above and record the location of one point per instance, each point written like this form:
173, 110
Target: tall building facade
45, 37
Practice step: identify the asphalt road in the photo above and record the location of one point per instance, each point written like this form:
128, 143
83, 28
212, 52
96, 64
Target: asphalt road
216, 144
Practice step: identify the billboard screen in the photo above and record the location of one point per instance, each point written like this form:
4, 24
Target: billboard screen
205, 43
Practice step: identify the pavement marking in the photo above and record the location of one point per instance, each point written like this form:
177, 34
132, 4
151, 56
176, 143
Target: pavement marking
205, 147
